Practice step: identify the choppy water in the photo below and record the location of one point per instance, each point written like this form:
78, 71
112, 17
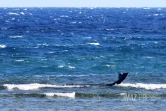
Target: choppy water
41, 49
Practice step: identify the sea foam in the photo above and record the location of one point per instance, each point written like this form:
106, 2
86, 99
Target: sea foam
2, 46
16, 36
36, 86
70, 95
13, 13
144, 86
94, 43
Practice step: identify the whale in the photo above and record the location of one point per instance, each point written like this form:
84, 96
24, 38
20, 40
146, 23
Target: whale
121, 78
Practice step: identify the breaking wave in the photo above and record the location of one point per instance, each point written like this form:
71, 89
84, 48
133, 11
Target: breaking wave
37, 86
2, 46
144, 86
41, 95
125, 96
70, 95
94, 43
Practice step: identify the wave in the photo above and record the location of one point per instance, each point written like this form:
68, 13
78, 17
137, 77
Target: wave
13, 13
94, 43
37, 86
144, 86
70, 95
2, 46
41, 95
125, 96
20, 60
17, 36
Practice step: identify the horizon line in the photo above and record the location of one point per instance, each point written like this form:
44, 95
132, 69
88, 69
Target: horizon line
78, 7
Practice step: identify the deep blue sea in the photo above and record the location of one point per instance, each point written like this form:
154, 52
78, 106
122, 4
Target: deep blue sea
42, 49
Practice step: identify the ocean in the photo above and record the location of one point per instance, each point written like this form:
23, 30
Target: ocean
43, 49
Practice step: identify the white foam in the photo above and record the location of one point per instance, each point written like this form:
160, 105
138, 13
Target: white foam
36, 86
61, 66
2, 46
70, 95
20, 60
95, 43
51, 52
144, 86
44, 44
71, 67
156, 14
22, 13
107, 65
17, 36
12, 13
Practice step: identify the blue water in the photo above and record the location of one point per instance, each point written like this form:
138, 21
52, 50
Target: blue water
41, 49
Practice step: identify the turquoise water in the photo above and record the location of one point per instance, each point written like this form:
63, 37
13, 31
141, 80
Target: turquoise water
41, 49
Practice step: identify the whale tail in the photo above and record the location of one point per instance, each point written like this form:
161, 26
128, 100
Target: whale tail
122, 76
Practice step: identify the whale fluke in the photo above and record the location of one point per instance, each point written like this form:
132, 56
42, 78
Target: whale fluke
121, 77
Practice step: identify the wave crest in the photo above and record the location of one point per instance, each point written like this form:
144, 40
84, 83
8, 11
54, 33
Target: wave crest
144, 86
37, 86
70, 95
2, 46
